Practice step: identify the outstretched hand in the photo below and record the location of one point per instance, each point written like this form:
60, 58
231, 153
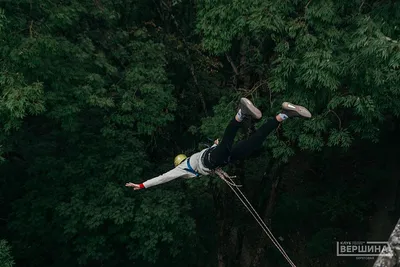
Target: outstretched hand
135, 186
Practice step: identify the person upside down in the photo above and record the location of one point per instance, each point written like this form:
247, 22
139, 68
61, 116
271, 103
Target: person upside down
220, 154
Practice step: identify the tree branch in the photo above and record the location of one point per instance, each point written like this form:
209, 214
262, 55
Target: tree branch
340, 121
252, 90
307, 4
192, 69
235, 70
30, 29
362, 4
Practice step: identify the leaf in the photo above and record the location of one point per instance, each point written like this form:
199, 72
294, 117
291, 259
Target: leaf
341, 138
5, 254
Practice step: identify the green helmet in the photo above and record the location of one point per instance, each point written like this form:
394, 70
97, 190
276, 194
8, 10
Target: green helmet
178, 159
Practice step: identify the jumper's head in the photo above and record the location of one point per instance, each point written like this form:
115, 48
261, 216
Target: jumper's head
178, 159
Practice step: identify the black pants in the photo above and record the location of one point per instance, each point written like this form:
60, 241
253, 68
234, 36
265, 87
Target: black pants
226, 152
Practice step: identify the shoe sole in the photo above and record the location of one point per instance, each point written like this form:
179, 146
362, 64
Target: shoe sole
248, 108
302, 111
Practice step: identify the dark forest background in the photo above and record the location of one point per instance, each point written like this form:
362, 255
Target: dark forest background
94, 94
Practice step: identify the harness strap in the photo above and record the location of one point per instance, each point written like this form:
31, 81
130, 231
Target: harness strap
190, 169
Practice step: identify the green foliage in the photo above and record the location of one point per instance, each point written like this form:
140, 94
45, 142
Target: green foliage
90, 102
145, 76
2, 19
281, 150
95, 94
340, 138
154, 225
340, 61
6, 259
221, 22
223, 112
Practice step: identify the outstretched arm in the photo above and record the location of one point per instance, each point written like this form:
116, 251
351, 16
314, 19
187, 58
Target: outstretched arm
164, 178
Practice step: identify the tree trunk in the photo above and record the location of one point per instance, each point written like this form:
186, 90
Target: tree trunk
233, 241
221, 247
245, 79
228, 233
252, 251
263, 241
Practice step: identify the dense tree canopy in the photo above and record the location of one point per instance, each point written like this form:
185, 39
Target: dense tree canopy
98, 93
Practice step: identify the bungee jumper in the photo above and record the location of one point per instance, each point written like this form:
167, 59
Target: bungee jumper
204, 163
210, 160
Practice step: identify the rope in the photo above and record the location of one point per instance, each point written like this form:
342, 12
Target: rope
224, 176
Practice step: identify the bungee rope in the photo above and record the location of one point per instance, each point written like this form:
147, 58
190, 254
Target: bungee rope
235, 188
223, 175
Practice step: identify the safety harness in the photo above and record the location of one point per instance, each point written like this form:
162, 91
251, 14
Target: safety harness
190, 169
